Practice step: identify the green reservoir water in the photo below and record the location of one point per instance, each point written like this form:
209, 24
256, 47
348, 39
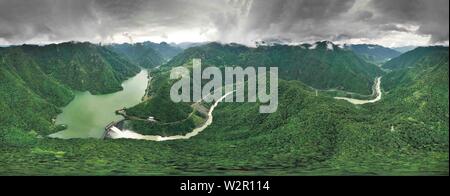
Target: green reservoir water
87, 115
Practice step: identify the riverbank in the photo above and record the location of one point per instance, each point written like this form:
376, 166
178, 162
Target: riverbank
128, 134
376, 92
87, 115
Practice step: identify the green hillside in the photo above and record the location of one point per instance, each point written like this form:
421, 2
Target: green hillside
374, 53
147, 54
36, 80
308, 135
82, 66
406, 133
319, 66
29, 98
309, 132
413, 57
173, 118
417, 97
166, 50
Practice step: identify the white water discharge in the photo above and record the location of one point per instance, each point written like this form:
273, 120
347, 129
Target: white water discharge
127, 134
377, 92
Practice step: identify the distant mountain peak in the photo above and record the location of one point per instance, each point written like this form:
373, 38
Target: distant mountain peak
327, 45
374, 53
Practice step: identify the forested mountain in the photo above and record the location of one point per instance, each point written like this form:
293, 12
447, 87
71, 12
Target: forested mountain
417, 97
424, 88
35, 80
413, 58
166, 50
404, 49
412, 119
374, 53
309, 131
309, 134
173, 118
29, 97
147, 54
186, 45
322, 65
140, 54
82, 66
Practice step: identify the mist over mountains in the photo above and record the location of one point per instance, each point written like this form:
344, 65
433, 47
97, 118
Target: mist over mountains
389, 23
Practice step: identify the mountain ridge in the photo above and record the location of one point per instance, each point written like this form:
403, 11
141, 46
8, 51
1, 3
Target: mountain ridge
333, 67
374, 53
37, 80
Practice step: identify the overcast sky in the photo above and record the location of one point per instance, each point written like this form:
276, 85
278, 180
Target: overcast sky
386, 22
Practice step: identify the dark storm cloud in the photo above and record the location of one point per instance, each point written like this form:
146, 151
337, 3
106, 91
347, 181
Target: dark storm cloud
432, 16
282, 19
22, 20
303, 20
364, 15
288, 13
59, 20
243, 21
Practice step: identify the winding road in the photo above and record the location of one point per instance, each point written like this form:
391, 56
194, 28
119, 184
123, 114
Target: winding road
127, 134
116, 133
377, 92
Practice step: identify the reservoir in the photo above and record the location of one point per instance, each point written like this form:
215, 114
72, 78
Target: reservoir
87, 115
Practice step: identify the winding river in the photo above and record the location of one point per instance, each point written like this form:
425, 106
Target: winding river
87, 115
377, 93
127, 134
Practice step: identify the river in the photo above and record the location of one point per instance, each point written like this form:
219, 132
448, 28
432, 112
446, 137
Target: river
376, 92
87, 115
128, 134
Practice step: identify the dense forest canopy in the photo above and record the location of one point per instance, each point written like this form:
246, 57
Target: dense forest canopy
322, 65
311, 133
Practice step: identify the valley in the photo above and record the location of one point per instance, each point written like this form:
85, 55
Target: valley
129, 134
87, 115
401, 130
377, 93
